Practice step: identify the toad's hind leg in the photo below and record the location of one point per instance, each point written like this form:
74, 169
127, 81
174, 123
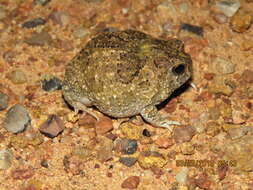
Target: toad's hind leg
79, 106
154, 117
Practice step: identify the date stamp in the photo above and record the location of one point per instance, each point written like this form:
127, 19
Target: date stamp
205, 163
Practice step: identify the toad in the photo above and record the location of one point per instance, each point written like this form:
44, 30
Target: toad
125, 73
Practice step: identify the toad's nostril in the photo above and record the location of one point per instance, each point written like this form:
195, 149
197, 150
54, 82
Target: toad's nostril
179, 69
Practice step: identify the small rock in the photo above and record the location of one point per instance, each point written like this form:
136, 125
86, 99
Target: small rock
228, 7
51, 83
125, 146
181, 176
80, 32
17, 76
128, 161
104, 125
23, 141
220, 18
17, 119
131, 131
187, 148
5, 159
236, 131
4, 99
224, 66
52, 126
247, 76
203, 182
73, 164
2, 13
41, 2
151, 159
39, 39
33, 23
183, 133
214, 113
164, 142
9, 56
87, 121
104, 151
60, 17
239, 116
213, 128
220, 85
44, 163
241, 21
33, 184
82, 152
131, 182
22, 173
192, 28
146, 133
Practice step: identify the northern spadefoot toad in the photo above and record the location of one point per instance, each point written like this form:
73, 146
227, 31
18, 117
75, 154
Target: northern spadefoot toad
125, 73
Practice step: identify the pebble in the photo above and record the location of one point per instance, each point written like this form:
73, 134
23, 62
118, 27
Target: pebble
164, 142
192, 28
39, 39
21, 174
52, 126
241, 21
87, 121
247, 76
151, 159
51, 83
181, 176
203, 181
104, 151
80, 32
213, 128
17, 77
6, 158
17, 119
228, 7
220, 18
4, 99
2, 13
146, 133
128, 161
223, 66
33, 23
41, 2
82, 152
220, 85
131, 131
183, 133
103, 125
60, 17
131, 182
187, 148
23, 141
236, 131
125, 146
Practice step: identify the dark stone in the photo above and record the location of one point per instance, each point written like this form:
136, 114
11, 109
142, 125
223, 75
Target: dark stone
192, 28
33, 23
51, 84
146, 133
128, 161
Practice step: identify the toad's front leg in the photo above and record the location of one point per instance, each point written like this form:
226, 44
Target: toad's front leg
154, 117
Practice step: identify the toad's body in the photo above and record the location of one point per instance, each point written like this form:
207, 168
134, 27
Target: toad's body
126, 73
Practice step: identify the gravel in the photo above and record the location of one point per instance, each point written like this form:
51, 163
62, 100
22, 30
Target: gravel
33, 23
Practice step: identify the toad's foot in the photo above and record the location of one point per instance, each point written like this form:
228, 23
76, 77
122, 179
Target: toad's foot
154, 117
79, 106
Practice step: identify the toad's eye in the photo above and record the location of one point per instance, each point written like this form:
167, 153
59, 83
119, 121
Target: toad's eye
179, 69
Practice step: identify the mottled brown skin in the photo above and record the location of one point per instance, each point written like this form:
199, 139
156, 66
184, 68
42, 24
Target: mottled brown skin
126, 73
